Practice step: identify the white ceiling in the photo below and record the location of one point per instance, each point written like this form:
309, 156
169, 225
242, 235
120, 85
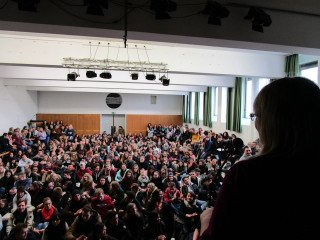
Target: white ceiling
35, 61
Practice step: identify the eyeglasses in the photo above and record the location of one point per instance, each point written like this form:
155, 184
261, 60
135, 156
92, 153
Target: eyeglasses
253, 116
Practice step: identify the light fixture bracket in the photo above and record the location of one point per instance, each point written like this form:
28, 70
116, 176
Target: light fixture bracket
87, 63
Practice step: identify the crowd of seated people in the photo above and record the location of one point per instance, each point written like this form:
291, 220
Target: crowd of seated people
55, 184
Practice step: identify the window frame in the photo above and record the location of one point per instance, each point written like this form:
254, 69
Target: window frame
309, 65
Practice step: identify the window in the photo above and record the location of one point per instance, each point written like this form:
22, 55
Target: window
248, 98
201, 104
214, 104
262, 82
193, 97
310, 71
224, 94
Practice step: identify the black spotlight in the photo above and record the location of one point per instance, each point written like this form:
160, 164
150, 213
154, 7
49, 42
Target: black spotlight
27, 5
165, 81
259, 19
162, 7
95, 6
91, 74
134, 76
216, 12
150, 76
106, 75
72, 76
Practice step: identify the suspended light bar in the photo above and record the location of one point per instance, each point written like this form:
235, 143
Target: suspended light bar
86, 63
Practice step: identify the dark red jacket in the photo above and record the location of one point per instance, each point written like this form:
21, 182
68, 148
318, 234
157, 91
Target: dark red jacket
103, 206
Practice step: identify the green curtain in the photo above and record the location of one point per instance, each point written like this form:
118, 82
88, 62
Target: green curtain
196, 108
188, 120
234, 106
207, 109
229, 109
292, 65
184, 114
237, 106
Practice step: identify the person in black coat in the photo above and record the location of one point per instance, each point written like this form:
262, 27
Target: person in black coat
21, 232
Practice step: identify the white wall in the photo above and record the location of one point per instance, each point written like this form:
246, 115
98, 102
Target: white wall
94, 103
18, 106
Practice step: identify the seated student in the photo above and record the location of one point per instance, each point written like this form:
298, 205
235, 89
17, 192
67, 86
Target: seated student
22, 181
56, 229
82, 226
134, 221
44, 215
116, 227
20, 215
190, 213
21, 232
74, 206
100, 233
102, 203
21, 195
172, 196
6, 183
1, 225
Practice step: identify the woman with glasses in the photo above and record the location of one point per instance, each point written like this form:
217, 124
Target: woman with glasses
273, 193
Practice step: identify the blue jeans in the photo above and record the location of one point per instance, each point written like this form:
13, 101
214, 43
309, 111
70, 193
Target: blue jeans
41, 226
202, 204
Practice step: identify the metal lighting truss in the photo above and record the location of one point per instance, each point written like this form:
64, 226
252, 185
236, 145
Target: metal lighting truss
107, 64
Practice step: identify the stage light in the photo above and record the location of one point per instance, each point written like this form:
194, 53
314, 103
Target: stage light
259, 19
150, 77
106, 75
28, 5
216, 12
91, 74
165, 81
95, 6
134, 76
72, 76
162, 7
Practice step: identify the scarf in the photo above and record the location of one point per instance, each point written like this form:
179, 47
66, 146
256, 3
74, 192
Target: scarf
47, 214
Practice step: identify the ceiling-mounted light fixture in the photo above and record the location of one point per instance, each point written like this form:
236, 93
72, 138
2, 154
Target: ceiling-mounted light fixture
28, 5
91, 65
91, 74
150, 76
162, 7
106, 75
72, 76
95, 7
216, 12
134, 76
165, 81
259, 19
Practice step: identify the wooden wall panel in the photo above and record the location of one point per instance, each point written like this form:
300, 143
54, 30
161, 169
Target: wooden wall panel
84, 124
138, 123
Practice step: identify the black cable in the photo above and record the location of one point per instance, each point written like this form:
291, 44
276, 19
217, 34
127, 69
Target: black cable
190, 15
70, 4
82, 18
4, 4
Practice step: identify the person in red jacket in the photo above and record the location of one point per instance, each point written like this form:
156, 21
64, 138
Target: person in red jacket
102, 203
82, 171
173, 196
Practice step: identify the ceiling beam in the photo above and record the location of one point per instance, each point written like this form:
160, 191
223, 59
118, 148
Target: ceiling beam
99, 90
155, 85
